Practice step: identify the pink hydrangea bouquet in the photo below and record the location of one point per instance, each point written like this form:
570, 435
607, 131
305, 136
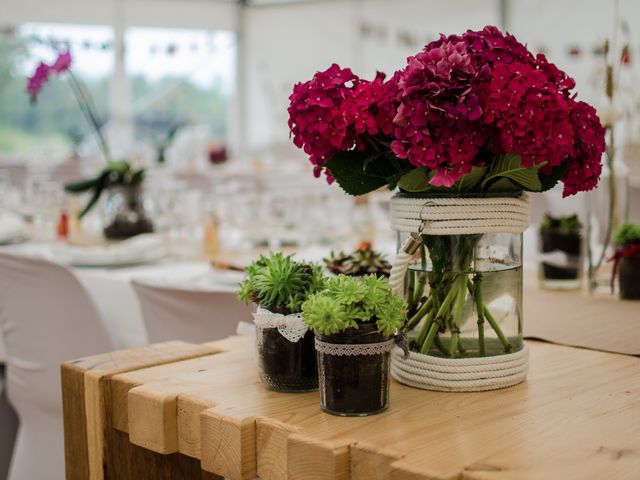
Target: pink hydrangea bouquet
473, 115
475, 112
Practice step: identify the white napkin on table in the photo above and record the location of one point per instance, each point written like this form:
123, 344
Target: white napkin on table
12, 227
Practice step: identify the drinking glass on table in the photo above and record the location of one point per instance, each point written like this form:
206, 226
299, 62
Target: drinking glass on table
45, 201
186, 225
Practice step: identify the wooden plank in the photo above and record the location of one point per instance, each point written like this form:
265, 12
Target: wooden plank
508, 435
128, 461
229, 447
219, 412
308, 457
372, 463
152, 398
85, 392
271, 454
76, 455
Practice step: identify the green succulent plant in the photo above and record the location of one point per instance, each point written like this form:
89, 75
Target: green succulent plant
279, 283
349, 301
627, 233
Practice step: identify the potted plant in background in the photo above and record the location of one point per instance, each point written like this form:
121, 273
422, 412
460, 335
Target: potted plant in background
363, 261
125, 211
561, 251
355, 319
627, 260
279, 285
463, 131
126, 215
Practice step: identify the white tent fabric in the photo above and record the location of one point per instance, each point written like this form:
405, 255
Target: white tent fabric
47, 319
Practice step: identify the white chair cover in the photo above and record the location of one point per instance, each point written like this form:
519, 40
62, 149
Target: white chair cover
8, 428
190, 315
48, 319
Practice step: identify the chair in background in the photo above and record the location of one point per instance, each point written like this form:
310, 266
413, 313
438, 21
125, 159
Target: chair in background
189, 315
48, 318
8, 429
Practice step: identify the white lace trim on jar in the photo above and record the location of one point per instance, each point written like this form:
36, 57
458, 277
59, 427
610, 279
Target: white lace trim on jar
290, 326
347, 349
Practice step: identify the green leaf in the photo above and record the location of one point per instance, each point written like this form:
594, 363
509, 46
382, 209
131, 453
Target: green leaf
137, 178
92, 201
120, 166
548, 181
503, 185
470, 181
509, 166
360, 172
417, 180
82, 185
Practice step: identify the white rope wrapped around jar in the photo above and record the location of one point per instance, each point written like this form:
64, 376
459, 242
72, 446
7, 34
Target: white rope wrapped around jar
455, 216
460, 216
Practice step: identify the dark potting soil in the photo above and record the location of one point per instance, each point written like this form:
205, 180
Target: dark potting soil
551, 241
354, 385
287, 366
629, 278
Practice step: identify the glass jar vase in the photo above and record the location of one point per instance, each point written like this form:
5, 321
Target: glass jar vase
286, 352
125, 213
286, 366
464, 294
561, 259
353, 369
629, 278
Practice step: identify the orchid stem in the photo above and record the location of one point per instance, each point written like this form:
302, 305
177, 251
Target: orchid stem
87, 108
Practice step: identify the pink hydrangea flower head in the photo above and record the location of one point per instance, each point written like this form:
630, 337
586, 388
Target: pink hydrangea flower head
370, 108
458, 103
585, 164
491, 47
316, 120
438, 112
530, 114
481, 91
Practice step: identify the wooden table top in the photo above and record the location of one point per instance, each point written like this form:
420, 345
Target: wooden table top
193, 407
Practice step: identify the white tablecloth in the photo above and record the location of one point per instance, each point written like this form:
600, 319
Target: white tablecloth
113, 294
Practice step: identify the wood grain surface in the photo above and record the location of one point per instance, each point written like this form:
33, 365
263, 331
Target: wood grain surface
576, 416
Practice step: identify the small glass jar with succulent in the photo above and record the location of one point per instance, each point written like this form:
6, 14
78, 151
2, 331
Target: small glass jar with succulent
279, 285
561, 251
354, 319
627, 260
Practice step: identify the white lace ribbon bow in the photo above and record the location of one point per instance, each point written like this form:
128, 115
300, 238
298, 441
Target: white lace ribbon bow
350, 349
290, 326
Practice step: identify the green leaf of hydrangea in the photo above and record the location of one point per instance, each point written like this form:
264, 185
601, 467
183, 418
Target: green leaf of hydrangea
359, 172
509, 166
